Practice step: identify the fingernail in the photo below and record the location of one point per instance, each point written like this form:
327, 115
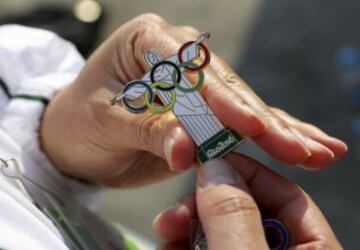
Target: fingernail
156, 220
168, 144
338, 141
216, 172
312, 169
177, 208
323, 147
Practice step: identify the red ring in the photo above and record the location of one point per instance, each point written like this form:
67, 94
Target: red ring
201, 66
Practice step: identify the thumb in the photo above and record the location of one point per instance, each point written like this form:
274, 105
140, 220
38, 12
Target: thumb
161, 135
228, 213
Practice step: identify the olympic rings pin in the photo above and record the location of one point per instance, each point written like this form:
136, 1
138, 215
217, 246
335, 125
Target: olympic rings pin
173, 70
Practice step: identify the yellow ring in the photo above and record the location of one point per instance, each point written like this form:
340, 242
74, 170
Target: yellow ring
166, 108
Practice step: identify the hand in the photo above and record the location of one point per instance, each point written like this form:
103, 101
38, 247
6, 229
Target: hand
229, 197
86, 137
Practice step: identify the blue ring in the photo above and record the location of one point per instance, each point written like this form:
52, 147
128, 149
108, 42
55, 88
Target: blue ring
281, 229
140, 108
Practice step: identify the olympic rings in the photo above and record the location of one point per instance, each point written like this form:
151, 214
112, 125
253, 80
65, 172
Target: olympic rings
199, 83
152, 75
159, 110
176, 75
149, 97
281, 229
203, 64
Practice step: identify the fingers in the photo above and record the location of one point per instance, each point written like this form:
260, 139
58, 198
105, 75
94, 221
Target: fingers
239, 108
250, 116
278, 135
173, 223
150, 31
167, 42
124, 132
277, 198
302, 146
226, 109
338, 147
161, 135
189, 31
280, 198
228, 213
121, 132
230, 98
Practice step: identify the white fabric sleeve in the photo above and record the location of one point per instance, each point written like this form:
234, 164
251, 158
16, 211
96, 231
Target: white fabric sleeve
38, 63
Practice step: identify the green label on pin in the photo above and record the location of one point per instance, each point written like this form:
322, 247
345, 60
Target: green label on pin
219, 145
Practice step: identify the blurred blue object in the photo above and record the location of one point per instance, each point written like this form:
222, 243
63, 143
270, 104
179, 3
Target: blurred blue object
348, 57
354, 98
356, 125
347, 60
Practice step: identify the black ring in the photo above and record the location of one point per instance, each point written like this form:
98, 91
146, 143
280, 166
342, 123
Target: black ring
140, 108
152, 78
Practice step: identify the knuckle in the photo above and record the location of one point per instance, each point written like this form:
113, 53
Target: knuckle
152, 19
234, 85
146, 131
276, 109
279, 111
235, 203
147, 26
322, 245
282, 123
232, 81
191, 30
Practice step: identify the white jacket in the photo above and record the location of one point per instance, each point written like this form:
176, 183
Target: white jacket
38, 63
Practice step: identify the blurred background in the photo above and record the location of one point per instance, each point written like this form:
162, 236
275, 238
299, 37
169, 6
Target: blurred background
301, 55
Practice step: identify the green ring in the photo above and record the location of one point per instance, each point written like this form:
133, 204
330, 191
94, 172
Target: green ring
197, 86
163, 109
